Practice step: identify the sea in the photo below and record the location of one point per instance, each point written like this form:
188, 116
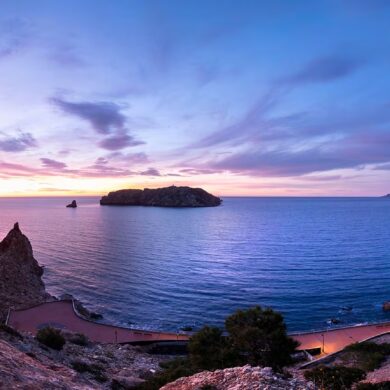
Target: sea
312, 259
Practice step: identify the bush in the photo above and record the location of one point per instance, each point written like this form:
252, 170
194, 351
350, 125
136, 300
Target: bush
209, 350
374, 386
367, 355
79, 339
51, 337
11, 331
95, 370
173, 370
256, 337
335, 378
260, 338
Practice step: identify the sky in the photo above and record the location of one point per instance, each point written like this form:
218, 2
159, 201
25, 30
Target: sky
249, 98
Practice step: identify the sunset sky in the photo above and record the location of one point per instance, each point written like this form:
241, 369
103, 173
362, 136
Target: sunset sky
238, 97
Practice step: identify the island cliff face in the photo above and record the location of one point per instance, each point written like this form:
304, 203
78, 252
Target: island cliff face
162, 197
20, 274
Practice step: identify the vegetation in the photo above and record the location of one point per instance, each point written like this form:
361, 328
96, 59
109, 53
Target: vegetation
255, 336
209, 350
260, 338
51, 337
79, 339
367, 355
11, 331
95, 370
374, 386
335, 378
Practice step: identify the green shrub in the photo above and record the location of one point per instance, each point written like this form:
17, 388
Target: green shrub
173, 370
255, 336
51, 337
79, 339
260, 338
367, 355
335, 378
374, 386
11, 331
209, 350
95, 370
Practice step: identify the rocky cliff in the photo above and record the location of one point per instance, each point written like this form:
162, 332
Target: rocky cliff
239, 378
21, 282
163, 197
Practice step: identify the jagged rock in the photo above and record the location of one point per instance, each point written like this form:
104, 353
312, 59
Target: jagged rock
240, 378
163, 197
72, 205
125, 363
20, 274
20, 371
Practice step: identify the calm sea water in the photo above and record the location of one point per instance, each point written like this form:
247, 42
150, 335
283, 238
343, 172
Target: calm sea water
167, 268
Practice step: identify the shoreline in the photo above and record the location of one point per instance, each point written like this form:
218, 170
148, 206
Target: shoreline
63, 315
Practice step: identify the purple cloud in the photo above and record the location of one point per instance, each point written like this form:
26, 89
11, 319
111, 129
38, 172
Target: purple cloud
324, 69
54, 164
150, 172
195, 171
104, 117
120, 141
18, 144
352, 151
129, 158
249, 124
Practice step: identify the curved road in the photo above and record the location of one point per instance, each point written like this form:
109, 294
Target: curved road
61, 314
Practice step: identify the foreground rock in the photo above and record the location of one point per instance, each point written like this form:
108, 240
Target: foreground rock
20, 371
162, 197
27, 364
73, 205
239, 378
20, 274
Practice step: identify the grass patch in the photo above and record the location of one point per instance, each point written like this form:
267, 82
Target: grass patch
79, 339
95, 370
367, 355
11, 331
335, 378
173, 370
51, 337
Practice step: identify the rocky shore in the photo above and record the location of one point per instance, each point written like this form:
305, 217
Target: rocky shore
162, 197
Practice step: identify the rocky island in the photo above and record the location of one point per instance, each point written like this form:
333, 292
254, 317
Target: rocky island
162, 197
72, 205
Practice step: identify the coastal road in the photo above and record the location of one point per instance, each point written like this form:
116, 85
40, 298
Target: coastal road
61, 314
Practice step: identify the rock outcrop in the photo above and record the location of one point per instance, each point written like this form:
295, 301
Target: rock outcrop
20, 274
239, 378
162, 197
73, 205
25, 364
20, 371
